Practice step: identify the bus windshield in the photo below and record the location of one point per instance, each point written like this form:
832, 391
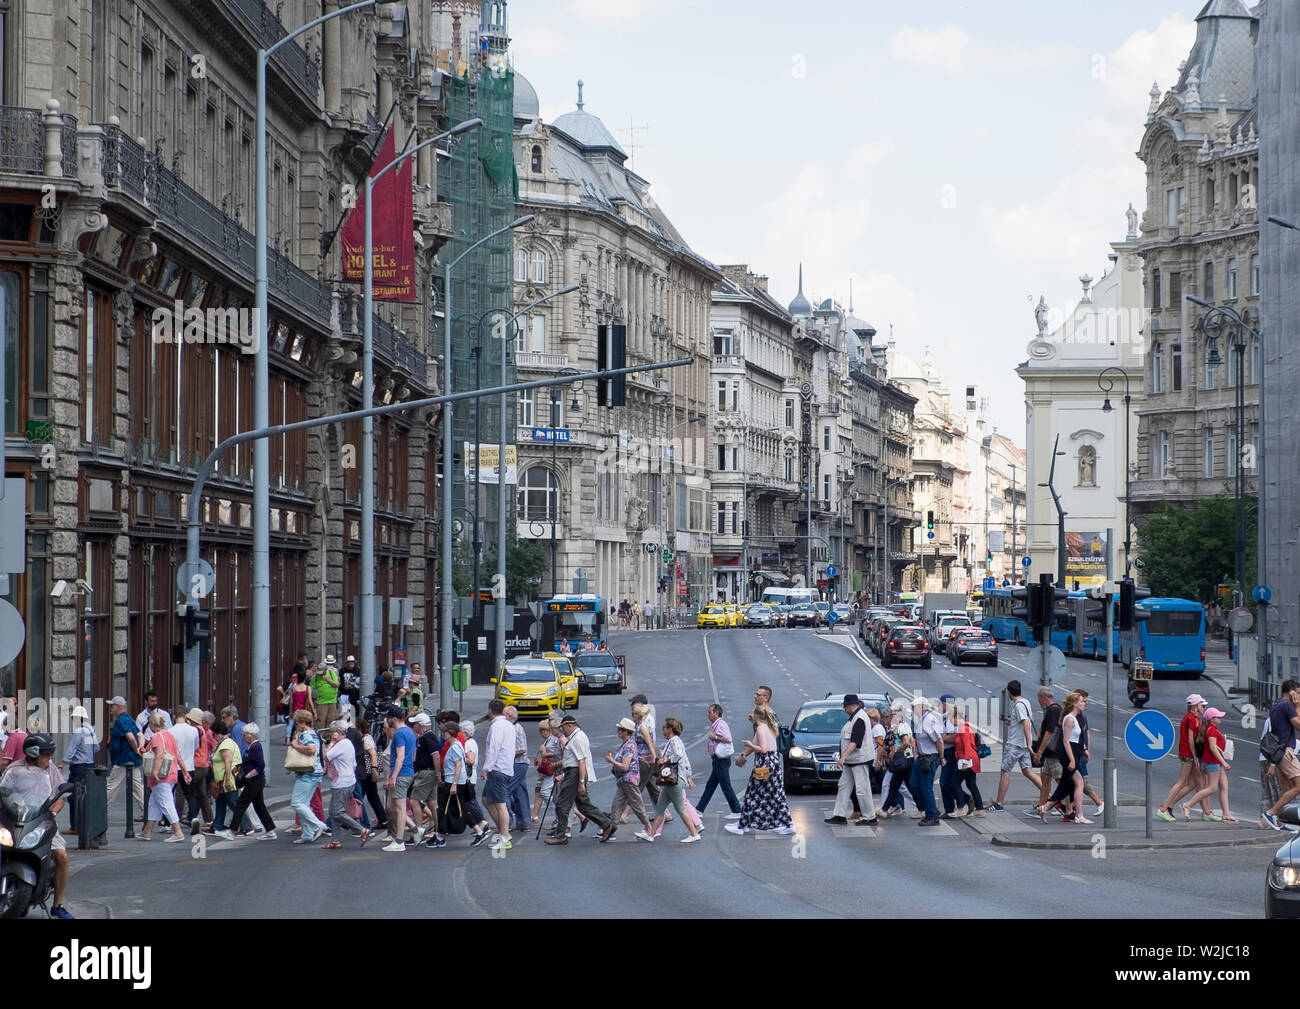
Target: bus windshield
1167, 623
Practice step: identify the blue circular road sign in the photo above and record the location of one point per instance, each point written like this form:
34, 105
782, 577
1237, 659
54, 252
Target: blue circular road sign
832, 617
831, 570
1149, 735
929, 535
1262, 594
1025, 561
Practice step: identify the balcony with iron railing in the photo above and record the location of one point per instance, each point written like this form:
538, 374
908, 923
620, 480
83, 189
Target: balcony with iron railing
22, 141
264, 29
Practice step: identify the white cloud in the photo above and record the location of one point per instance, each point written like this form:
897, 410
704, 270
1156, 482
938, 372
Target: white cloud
1125, 76
818, 219
949, 49
866, 156
619, 12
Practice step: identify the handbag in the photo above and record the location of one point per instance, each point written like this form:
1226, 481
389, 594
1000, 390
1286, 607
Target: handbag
724, 750
1271, 747
545, 768
450, 822
927, 762
667, 775
298, 763
354, 808
898, 762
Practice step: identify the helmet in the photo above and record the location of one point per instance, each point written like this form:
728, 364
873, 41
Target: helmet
38, 743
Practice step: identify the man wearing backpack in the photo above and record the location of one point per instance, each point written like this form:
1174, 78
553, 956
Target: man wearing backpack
1019, 742
1283, 723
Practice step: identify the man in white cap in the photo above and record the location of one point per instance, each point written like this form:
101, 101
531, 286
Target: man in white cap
79, 757
1188, 777
929, 743
351, 677
186, 733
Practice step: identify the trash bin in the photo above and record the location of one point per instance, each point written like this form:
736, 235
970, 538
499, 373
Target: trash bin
92, 809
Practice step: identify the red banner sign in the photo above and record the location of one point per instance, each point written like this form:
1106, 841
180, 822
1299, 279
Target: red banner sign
392, 223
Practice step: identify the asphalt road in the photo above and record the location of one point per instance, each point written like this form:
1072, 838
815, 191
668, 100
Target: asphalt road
950, 871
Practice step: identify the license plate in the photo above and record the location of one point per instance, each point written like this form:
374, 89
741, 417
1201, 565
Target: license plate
830, 767
528, 704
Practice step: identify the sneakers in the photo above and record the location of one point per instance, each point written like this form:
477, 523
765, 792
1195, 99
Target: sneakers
733, 816
691, 839
867, 823
1057, 810
835, 819
62, 912
641, 835
419, 833
733, 828
436, 842
173, 839
927, 822
270, 835
304, 840
608, 833
479, 838
1032, 812
1168, 817
1101, 808
997, 807
979, 814
390, 846
558, 840
226, 835
918, 815
500, 844
783, 830
1212, 817
954, 815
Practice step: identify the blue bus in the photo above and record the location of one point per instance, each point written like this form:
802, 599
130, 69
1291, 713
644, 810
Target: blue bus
1172, 638
1089, 636
998, 621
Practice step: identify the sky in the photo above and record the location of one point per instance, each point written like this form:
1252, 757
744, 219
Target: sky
953, 161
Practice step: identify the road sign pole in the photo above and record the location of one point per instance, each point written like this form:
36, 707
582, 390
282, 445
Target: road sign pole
1109, 772
1148, 802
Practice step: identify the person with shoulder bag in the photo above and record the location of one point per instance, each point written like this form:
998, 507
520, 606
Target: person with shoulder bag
720, 749
1280, 751
303, 760
929, 740
162, 765
673, 769
251, 779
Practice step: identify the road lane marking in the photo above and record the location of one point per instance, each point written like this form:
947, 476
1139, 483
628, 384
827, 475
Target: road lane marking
463, 894
713, 684
1072, 878
996, 854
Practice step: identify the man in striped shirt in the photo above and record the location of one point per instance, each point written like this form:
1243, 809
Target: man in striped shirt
721, 749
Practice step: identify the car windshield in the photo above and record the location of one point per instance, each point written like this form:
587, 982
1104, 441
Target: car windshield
531, 673
820, 719
595, 661
822, 606
714, 609
954, 622
803, 608
758, 608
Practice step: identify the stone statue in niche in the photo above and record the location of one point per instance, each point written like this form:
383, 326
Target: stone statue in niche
1087, 466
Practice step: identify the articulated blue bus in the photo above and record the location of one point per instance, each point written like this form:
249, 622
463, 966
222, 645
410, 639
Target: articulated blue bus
1172, 638
999, 622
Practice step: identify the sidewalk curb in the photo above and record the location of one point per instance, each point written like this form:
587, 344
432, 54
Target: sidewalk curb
1144, 845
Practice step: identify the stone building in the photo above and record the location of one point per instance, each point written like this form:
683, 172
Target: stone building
751, 424
624, 492
940, 478
1066, 374
126, 182
1200, 238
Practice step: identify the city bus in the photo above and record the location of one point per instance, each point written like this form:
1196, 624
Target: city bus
579, 615
998, 621
1089, 636
1172, 638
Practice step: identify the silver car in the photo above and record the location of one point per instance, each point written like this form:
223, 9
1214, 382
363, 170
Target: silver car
759, 615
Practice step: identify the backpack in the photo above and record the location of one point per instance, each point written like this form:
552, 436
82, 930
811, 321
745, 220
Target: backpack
1271, 747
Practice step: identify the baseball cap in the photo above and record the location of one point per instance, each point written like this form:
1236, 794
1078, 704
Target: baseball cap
422, 719
568, 720
1214, 713
352, 658
118, 700
1195, 699
947, 697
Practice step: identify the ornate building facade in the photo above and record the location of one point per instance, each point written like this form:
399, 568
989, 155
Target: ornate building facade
138, 117
622, 493
1199, 237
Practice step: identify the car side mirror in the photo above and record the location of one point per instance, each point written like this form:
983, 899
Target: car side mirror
493, 680
1290, 814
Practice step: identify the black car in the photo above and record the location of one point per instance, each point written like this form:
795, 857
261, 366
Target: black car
1282, 888
906, 644
598, 672
803, 615
810, 745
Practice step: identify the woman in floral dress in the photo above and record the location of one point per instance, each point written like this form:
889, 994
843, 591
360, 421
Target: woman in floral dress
765, 807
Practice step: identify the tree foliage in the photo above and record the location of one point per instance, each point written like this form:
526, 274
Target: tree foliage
526, 563
1186, 552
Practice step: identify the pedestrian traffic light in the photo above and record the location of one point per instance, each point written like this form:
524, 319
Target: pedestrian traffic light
1129, 614
198, 626
929, 520
1032, 611
611, 354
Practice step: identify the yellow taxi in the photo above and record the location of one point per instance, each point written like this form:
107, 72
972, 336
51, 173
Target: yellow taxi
537, 684
713, 616
736, 615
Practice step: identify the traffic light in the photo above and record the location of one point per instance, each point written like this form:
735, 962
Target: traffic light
1032, 611
1129, 594
929, 520
611, 353
198, 626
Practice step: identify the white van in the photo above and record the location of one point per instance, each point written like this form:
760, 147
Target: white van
788, 597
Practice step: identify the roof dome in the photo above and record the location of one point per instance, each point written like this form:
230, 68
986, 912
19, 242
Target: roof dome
586, 130
526, 104
800, 308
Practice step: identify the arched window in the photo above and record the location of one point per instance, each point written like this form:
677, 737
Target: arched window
537, 160
538, 495
539, 267
521, 265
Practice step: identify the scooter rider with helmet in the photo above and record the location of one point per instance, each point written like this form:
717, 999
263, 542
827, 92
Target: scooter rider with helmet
36, 780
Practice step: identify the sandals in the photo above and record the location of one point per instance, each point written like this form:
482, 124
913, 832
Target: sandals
1084, 820
1230, 819
1187, 812
332, 846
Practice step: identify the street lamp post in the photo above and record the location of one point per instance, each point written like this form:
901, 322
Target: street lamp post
261, 594
367, 401
1106, 384
448, 476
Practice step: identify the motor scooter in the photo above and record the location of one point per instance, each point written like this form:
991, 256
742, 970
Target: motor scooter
1139, 684
26, 841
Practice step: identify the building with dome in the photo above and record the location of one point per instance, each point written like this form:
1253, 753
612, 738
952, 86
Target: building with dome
624, 493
